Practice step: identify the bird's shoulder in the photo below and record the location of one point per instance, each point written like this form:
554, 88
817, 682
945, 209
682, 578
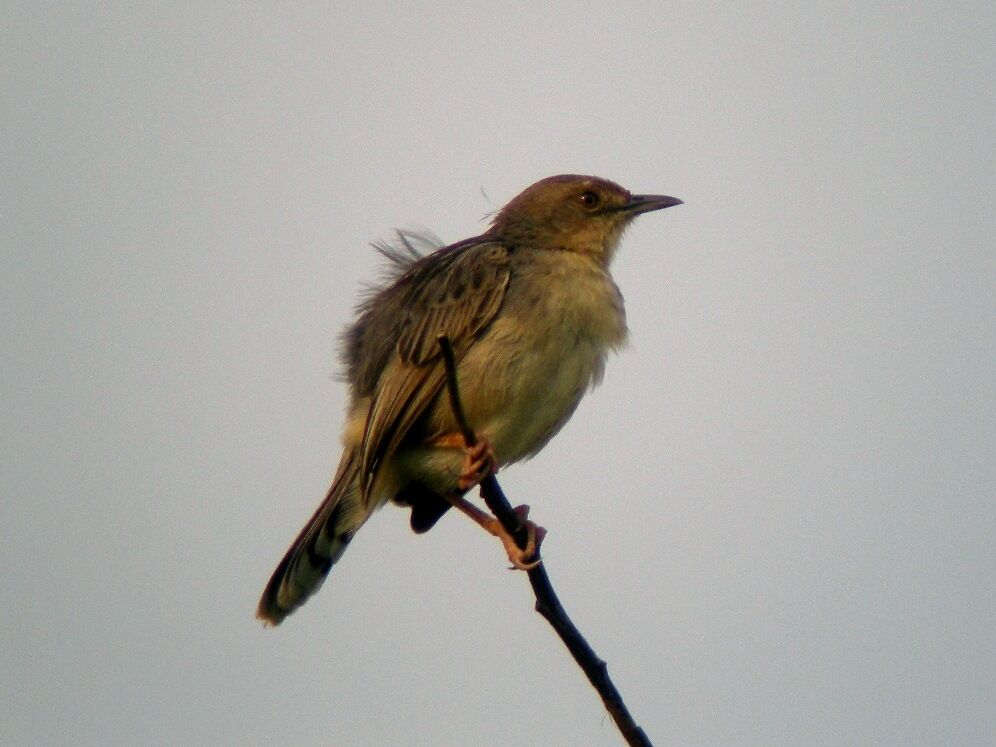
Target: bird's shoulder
455, 291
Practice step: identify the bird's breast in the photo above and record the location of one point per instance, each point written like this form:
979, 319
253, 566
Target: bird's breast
526, 375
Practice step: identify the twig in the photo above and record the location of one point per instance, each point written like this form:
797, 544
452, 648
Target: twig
547, 603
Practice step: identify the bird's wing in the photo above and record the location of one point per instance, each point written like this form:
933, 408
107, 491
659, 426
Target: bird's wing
455, 292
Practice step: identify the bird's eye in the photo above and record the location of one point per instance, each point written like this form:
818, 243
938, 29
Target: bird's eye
589, 200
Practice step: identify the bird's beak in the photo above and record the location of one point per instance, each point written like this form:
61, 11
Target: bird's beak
645, 203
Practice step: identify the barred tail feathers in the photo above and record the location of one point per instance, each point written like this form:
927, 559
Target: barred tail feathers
319, 545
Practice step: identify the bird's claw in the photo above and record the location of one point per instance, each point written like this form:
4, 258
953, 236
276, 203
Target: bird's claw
478, 462
527, 558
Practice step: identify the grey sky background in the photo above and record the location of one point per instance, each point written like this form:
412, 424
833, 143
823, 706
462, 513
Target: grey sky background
775, 519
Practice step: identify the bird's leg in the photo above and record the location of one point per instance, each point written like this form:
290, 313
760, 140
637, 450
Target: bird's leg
523, 559
479, 462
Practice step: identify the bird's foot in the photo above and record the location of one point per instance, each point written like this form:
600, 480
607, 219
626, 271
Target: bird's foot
478, 462
522, 559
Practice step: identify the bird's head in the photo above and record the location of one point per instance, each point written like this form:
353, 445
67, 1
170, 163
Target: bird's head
583, 214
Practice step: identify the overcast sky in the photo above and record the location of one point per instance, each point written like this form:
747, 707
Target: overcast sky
775, 519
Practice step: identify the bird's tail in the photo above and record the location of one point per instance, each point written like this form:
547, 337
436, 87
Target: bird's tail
319, 545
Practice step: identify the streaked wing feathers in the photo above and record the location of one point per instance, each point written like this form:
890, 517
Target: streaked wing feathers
456, 293
455, 296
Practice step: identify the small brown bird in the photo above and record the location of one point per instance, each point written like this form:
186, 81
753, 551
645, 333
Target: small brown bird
531, 312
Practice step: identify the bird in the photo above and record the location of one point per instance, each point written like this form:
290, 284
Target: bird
531, 312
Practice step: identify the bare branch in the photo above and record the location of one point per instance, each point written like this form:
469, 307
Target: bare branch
547, 602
